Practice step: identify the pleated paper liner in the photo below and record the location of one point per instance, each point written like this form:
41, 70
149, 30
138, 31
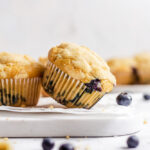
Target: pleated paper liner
68, 91
20, 92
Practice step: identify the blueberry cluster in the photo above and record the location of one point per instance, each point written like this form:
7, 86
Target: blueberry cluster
15, 98
93, 85
48, 144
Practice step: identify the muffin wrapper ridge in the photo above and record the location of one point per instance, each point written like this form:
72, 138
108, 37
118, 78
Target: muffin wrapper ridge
67, 90
20, 92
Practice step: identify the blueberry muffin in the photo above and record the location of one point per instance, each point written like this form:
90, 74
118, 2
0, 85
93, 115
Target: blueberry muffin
20, 80
43, 61
76, 77
143, 67
124, 69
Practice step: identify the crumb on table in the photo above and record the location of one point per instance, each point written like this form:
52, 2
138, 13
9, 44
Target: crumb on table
5, 139
5, 145
23, 105
87, 148
51, 106
67, 137
145, 122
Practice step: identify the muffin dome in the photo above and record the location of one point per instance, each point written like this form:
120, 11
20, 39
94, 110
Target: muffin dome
124, 69
19, 66
81, 63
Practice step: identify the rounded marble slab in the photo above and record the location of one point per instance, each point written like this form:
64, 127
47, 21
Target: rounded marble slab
105, 119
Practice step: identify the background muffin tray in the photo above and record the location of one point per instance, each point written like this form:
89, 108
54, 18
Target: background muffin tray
105, 119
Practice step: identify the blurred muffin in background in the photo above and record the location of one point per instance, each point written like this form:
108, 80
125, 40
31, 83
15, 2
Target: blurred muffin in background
43, 61
143, 67
124, 70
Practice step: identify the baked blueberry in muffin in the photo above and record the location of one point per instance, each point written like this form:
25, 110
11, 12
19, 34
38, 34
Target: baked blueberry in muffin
76, 76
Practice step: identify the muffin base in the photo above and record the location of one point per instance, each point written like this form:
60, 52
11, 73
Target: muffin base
20, 92
68, 91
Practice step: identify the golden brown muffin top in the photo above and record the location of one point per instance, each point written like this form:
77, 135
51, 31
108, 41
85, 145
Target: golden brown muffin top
19, 66
143, 57
121, 64
80, 63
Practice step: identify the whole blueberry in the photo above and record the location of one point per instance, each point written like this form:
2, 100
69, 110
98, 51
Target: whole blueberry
146, 96
66, 146
132, 142
47, 144
124, 99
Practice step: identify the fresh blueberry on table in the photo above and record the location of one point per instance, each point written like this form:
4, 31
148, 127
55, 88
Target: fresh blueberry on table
132, 142
66, 146
124, 99
47, 144
146, 96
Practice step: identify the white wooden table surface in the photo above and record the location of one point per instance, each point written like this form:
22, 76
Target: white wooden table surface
109, 143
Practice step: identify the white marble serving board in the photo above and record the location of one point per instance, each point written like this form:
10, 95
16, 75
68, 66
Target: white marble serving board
135, 88
105, 119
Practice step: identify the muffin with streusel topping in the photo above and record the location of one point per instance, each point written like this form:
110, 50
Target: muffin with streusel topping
20, 80
124, 70
76, 77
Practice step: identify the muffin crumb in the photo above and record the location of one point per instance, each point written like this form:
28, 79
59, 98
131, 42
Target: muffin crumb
87, 148
5, 139
51, 107
23, 105
67, 137
5, 145
77, 148
145, 122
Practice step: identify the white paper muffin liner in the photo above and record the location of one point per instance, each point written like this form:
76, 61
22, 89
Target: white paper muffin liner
67, 90
20, 92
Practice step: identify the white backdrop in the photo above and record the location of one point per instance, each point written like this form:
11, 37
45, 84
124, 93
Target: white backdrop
109, 27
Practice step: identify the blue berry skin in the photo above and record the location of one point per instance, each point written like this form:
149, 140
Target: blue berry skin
66, 146
146, 96
48, 144
124, 99
132, 142
93, 85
